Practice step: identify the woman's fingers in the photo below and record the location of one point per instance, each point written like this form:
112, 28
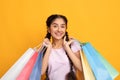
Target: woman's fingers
46, 42
64, 38
70, 41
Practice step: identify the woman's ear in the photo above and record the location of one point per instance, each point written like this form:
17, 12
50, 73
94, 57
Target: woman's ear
48, 29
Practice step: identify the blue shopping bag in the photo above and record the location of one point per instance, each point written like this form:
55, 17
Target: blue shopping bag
98, 68
36, 72
113, 72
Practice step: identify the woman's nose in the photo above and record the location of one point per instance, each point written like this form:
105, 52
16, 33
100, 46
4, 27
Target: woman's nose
59, 29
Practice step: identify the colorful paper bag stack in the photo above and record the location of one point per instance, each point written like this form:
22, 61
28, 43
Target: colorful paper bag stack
95, 66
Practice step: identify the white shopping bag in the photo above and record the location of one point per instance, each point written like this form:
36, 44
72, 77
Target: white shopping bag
14, 71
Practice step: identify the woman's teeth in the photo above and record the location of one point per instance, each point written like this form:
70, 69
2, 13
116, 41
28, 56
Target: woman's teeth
58, 34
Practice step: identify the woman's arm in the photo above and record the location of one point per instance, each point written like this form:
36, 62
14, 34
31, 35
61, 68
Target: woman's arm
75, 57
46, 56
45, 60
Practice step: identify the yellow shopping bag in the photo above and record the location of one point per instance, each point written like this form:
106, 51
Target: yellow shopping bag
88, 74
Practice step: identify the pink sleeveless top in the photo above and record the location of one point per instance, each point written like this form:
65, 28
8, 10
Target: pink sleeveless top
58, 65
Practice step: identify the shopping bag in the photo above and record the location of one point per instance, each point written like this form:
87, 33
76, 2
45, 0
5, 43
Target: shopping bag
79, 75
15, 70
25, 73
88, 74
113, 72
36, 72
98, 68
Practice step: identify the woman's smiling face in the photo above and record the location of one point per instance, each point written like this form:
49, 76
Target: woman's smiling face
57, 28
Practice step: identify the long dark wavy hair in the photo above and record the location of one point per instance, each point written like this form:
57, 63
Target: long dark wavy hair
71, 75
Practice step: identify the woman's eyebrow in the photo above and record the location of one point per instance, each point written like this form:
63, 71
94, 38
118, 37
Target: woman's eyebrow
54, 23
63, 24
57, 24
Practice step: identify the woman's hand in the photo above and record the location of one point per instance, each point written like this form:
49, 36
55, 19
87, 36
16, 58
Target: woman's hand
67, 43
47, 43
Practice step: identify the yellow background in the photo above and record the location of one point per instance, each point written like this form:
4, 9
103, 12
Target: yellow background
22, 25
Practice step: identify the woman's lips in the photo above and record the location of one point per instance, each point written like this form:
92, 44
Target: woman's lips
58, 34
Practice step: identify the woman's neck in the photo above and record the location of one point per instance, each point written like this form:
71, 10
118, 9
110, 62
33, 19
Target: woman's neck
57, 43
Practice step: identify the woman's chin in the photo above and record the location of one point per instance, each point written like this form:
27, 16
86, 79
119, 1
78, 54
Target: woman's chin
58, 38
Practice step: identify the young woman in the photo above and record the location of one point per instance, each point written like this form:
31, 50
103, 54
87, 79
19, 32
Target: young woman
62, 56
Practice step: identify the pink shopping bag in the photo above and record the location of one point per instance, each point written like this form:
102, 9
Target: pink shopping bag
25, 73
15, 70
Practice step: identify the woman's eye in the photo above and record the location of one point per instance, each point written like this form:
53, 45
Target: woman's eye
55, 26
62, 26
